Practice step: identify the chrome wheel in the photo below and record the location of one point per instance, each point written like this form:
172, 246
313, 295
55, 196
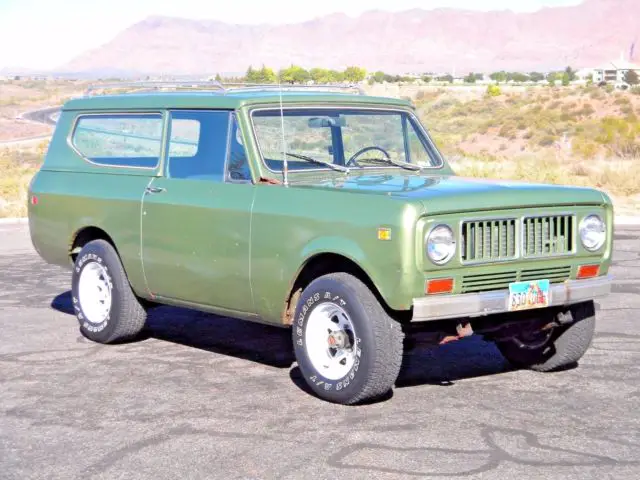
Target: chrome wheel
330, 341
94, 292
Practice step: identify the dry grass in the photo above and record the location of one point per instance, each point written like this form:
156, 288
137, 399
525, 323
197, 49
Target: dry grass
18, 165
620, 178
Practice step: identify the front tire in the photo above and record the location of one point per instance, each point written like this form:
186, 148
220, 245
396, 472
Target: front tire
106, 308
564, 346
348, 348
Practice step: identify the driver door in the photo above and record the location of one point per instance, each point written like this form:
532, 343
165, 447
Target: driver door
195, 220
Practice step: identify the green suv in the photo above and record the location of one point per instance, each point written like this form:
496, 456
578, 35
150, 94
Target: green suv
328, 212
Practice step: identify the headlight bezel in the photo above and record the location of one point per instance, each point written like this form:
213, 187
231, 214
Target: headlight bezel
582, 227
452, 246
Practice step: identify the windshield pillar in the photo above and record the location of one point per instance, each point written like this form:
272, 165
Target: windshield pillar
337, 145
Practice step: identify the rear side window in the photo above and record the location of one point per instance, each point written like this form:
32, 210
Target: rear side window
120, 140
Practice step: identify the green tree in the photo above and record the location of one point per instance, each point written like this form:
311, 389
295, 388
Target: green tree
471, 78
294, 74
320, 75
445, 78
355, 74
571, 75
267, 75
378, 76
498, 77
427, 78
218, 78
632, 78
520, 77
335, 76
536, 76
251, 76
566, 79
553, 77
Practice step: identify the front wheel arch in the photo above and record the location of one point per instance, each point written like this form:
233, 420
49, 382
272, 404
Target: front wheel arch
326, 263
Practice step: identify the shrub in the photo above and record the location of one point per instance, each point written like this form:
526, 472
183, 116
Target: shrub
579, 170
547, 141
586, 111
493, 91
506, 130
584, 148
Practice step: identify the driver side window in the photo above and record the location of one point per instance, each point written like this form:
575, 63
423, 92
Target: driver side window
370, 130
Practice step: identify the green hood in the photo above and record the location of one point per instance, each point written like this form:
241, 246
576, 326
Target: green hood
450, 194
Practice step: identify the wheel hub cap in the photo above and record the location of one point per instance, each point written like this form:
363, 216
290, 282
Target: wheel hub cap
330, 341
94, 292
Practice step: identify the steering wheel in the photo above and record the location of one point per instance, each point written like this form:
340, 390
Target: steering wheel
365, 150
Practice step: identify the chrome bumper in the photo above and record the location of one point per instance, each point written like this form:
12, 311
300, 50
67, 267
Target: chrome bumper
441, 307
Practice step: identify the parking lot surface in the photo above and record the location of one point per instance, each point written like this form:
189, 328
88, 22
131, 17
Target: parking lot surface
207, 397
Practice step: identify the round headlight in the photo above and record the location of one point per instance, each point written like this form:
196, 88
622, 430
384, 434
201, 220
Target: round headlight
441, 244
593, 232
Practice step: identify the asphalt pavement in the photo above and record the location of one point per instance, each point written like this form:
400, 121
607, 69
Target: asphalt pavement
207, 397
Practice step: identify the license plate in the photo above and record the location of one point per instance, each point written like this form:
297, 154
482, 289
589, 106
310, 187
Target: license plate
528, 295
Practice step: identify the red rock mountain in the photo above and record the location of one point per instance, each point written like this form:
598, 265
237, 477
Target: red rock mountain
585, 35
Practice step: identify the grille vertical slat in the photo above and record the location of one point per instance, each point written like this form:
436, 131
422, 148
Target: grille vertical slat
488, 240
548, 235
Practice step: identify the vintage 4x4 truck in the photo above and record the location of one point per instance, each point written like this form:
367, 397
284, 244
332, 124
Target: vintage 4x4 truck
328, 212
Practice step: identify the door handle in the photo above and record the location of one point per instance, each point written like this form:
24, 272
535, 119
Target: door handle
155, 190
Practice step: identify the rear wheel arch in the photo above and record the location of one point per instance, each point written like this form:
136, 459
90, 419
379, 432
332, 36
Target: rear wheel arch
86, 235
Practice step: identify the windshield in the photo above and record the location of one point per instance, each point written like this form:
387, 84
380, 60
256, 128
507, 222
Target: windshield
342, 137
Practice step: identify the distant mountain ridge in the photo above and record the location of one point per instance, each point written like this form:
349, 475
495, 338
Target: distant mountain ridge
417, 40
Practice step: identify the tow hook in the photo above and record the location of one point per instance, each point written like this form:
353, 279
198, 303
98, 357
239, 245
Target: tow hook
462, 330
564, 318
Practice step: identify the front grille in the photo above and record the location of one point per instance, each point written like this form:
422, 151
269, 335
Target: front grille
548, 235
488, 240
500, 281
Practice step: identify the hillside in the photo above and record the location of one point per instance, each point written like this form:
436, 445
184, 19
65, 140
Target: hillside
416, 40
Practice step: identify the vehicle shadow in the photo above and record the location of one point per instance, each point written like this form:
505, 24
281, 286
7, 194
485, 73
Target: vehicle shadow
423, 363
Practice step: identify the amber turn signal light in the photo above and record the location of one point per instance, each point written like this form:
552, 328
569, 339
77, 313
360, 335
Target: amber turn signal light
588, 271
439, 285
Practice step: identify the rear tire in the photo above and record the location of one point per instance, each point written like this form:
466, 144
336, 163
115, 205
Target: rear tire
564, 347
107, 309
348, 349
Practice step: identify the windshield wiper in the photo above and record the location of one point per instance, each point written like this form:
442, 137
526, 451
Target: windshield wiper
397, 163
333, 166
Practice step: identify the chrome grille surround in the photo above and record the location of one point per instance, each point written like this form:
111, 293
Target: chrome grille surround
501, 239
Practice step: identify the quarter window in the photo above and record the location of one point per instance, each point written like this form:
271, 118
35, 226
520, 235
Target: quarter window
121, 140
237, 164
198, 144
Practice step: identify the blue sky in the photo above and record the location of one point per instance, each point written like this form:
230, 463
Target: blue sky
43, 34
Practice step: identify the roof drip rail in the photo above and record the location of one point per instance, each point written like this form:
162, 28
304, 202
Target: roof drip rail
217, 87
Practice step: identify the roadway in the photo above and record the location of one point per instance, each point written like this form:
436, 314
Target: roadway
208, 397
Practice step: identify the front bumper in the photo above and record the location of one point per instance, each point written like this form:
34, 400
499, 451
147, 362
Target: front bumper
442, 307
